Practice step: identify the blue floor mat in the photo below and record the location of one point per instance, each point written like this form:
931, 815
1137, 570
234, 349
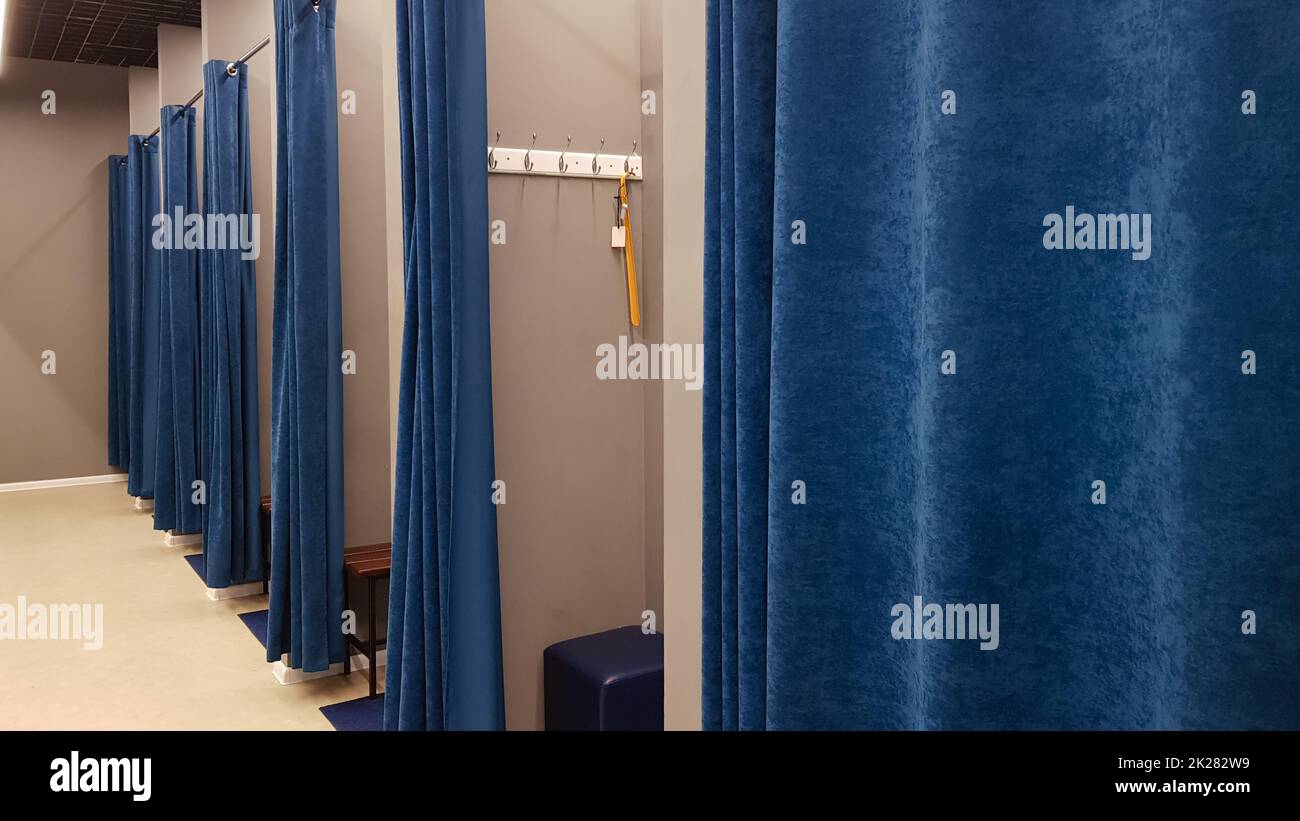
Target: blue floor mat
256, 624
196, 562
359, 714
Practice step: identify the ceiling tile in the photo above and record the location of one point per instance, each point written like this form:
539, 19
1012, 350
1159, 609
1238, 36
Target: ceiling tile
107, 32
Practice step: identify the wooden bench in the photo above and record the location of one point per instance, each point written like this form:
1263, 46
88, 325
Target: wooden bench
370, 563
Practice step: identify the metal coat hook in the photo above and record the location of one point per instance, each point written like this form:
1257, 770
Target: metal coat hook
564, 166
528, 155
595, 161
627, 161
492, 152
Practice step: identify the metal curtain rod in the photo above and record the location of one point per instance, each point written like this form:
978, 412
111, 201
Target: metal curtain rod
231, 69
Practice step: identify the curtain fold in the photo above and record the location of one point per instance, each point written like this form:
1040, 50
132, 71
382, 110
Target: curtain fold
144, 270
229, 432
444, 629
307, 382
176, 456
119, 448
915, 397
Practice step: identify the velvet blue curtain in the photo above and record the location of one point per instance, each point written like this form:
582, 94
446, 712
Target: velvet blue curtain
444, 622
229, 433
176, 464
946, 383
307, 387
144, 270
119, 448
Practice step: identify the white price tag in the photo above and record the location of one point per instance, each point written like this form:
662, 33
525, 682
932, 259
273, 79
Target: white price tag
618, 237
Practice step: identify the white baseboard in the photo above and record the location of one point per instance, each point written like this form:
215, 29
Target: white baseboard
107, 478
235, 591
170, 539
143, 505
287, 675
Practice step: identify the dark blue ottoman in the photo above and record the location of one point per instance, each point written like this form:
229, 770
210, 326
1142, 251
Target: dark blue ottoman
606, 681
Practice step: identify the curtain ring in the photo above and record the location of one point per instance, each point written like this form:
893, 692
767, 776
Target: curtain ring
492, 153
232, 69
562, 164
315, 6
595, 161
627, 161
528, 155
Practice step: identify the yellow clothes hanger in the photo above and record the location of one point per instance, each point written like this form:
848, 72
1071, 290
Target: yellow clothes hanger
629, 254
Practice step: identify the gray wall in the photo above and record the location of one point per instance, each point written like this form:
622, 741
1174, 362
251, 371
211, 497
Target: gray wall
569, 447
681, 107
362, 221
143, 84
54, 265
180, 76
652, 307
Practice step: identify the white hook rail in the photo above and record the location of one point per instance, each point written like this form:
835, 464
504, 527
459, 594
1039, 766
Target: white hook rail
575, 164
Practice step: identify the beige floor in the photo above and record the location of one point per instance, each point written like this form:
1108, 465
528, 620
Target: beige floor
171, 658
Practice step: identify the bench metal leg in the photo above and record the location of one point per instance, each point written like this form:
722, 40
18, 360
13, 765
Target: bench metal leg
266, 552
373, 626
347, 640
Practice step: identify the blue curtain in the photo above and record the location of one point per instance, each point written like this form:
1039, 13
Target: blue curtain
119, 448
893, 331
228, 426
444, 623
144, 267
307, 388
177, 456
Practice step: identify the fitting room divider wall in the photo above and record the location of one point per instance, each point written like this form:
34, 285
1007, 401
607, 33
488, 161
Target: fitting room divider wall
937, 378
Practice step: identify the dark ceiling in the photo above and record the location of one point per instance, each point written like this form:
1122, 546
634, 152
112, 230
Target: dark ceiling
109, 32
